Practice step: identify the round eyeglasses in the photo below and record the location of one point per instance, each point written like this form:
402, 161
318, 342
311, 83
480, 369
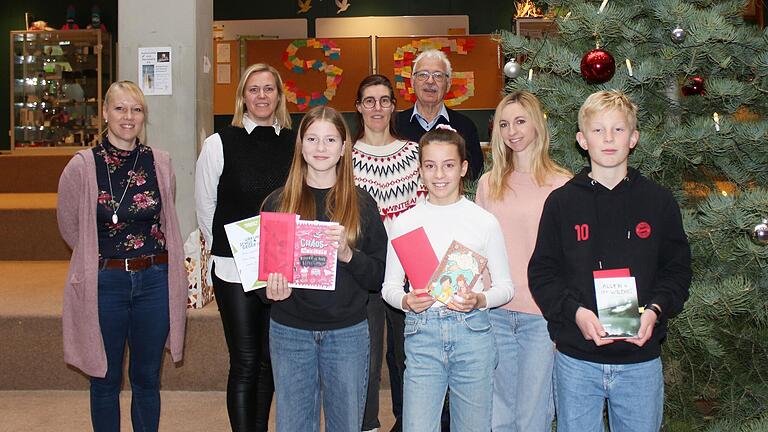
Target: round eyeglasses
437, 76
370, 102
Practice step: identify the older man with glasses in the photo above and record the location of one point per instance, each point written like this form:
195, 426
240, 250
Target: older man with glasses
431, 81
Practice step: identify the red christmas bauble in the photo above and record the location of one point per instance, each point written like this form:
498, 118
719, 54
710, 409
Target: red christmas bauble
597, 66
694, 86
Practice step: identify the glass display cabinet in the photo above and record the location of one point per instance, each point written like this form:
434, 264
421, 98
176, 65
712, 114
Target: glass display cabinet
58, 80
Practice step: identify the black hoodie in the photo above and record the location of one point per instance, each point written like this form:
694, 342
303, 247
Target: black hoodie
585, 227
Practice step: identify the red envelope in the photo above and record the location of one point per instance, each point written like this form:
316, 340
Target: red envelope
417, 257
276, 244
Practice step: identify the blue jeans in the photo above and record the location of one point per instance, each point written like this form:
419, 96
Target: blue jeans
445, 349
635, 394
133, 307
308, 363
522, 389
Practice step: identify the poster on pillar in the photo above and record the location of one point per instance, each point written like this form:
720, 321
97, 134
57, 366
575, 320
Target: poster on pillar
476, 78
315, 71
155, 71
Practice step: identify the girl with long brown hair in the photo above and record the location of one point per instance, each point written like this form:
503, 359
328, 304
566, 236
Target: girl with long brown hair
319, 339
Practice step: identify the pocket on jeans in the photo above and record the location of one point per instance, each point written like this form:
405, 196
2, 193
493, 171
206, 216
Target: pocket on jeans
160, 268
478, 321
412, 325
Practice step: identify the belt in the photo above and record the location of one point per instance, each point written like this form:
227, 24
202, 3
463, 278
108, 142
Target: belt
134, 264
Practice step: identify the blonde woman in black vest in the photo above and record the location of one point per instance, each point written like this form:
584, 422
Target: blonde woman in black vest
238, 167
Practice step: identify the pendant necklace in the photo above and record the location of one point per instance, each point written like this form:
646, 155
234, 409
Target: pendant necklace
132, 172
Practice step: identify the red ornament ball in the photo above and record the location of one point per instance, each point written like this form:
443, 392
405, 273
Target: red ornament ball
597, 66
694, 86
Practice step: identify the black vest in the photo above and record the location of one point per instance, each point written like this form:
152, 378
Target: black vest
255, 164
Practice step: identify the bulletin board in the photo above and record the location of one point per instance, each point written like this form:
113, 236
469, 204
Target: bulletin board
476, 81
226, 74
316, 71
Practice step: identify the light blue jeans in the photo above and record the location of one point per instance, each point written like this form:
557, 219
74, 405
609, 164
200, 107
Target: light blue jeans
522, 385
454, 350
635, 394
306, 364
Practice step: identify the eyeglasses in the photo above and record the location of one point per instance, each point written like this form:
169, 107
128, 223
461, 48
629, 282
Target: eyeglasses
437, 76
370, 102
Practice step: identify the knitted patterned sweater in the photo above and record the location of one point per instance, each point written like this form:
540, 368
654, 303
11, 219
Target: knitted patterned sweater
390, 173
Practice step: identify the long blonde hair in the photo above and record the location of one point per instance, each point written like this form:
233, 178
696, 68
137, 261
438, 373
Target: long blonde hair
341, 202
135, 92
281, 110
542, 166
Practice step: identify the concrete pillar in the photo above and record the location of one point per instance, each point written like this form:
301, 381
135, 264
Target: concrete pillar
180, 122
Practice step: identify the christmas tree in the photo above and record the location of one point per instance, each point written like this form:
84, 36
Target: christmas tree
699, 75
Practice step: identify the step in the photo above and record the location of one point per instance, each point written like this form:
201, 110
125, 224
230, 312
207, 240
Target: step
31, 352
28, 228
30, 328
33, 170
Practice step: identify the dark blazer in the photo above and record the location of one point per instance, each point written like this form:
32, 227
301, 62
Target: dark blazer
412, 130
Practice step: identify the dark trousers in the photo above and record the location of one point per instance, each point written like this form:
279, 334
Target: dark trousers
376, 322
396, 358
250, 386
133, 308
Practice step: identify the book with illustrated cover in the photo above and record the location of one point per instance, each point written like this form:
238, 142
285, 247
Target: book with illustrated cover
314, 259
276, 244
457, 273
243, 237
617, 304
417, 257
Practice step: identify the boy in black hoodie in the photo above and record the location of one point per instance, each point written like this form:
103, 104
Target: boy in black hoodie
609, 217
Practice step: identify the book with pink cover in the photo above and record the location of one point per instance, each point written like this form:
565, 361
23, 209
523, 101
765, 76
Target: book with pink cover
314, 258
457, 273
276, 244
417, 257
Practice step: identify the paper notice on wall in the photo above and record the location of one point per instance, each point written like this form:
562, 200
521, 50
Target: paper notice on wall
223, 74
222, 53
155, 71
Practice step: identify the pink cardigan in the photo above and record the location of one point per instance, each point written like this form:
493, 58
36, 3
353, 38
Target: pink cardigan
76, 213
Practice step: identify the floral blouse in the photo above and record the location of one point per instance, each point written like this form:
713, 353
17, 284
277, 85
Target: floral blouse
136, 201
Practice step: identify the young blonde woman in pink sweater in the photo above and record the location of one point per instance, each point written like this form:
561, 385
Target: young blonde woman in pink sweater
514, 191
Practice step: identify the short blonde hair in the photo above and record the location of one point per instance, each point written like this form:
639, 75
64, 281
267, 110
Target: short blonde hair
281, 110
608, 100
135, 92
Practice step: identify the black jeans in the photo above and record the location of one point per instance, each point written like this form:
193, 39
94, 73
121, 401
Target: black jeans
246, 327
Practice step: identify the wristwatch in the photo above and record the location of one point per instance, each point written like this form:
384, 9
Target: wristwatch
654, 308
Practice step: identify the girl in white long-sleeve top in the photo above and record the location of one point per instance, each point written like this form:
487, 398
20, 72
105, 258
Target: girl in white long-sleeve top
448, 346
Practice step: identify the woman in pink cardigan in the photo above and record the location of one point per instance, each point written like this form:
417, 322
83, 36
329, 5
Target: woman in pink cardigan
126, 280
